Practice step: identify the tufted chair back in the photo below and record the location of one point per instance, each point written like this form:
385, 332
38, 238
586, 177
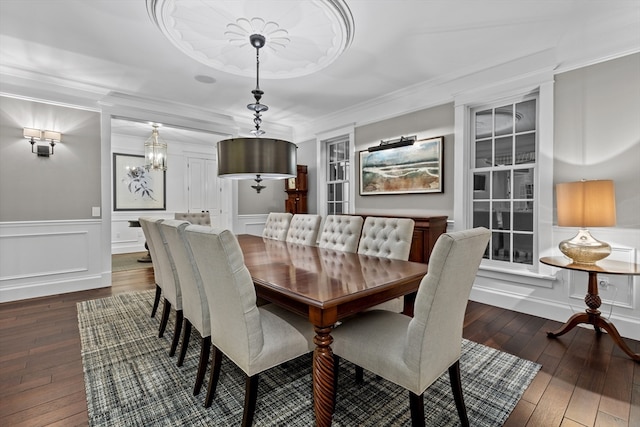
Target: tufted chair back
341, 232
303, 229
277, 225
198, 218
386, 237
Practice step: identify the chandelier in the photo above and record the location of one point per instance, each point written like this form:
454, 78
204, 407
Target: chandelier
155, 152
257, 158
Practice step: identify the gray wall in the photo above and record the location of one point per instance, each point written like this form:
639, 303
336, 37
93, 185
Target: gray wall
597, 130
63, 186
432, 122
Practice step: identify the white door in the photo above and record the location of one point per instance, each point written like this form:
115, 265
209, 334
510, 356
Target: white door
204, 188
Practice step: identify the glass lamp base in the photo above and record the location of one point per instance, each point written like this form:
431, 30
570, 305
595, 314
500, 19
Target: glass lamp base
584, 249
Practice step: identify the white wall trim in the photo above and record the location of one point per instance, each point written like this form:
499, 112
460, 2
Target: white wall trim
41, 258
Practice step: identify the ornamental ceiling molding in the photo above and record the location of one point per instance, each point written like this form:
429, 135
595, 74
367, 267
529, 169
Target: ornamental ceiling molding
303, 37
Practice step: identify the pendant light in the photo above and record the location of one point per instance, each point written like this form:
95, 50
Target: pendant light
257, 158
155, 152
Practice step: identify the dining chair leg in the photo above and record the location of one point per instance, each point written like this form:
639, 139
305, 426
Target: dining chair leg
186, 334
416, 403
176, 332
156, 301
216, 362
205, 347
336, 370
359, 375
250, 397
166, 310
456, 388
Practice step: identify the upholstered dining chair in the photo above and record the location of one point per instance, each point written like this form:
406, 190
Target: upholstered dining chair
168, 278
199, 218
156, 267
277, 225
414, 352
303, 229
254, 338
195, 307
387, 238
341, 232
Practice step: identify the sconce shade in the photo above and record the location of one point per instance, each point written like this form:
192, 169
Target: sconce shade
244, 158
586, 204
52, 135
31, 133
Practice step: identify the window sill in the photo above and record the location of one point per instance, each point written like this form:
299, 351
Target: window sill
521, 277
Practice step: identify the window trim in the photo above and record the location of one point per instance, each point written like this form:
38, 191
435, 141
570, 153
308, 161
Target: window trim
543, 216
322, 155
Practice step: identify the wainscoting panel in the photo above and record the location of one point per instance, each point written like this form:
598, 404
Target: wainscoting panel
250, 224
47, 257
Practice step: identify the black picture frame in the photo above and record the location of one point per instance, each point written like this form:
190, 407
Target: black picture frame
415, 168
135, 188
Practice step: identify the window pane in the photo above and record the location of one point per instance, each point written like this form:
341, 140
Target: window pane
523, 216
483, 154
523, 183
332, 172
338, 196
501, 246
526, 116
504, 120
501, 216
526, 148
481, 185
330, 193
332, 153
340, 167
503, 152
501, 184
338, 208
481, 214
523, 248
484, 122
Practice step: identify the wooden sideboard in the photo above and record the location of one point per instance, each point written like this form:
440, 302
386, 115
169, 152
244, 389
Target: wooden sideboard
425, 233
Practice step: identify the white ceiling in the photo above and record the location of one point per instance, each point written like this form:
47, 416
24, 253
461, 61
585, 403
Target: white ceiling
111, 48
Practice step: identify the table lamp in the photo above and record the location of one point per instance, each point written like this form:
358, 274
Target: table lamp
586, 204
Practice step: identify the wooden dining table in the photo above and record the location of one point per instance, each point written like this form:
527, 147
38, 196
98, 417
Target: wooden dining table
325, 286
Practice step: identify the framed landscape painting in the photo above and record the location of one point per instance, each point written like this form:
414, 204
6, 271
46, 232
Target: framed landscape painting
416, 168
134, 187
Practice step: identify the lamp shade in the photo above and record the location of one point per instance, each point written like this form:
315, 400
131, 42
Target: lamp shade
244, 158
52, 135
586, 204
31, 133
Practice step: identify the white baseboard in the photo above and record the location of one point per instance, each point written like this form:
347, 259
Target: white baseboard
627, 327
42, 289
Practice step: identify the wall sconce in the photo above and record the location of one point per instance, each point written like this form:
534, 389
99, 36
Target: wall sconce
403, 141
36, 135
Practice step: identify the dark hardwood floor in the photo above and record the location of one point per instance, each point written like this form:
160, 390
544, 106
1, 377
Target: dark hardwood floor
585, 380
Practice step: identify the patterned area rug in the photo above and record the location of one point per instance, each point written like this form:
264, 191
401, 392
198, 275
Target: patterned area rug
131, 381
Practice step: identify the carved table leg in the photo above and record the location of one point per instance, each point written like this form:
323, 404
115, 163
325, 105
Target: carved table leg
592, 316
323, 385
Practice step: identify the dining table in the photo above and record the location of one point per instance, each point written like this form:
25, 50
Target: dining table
326, 286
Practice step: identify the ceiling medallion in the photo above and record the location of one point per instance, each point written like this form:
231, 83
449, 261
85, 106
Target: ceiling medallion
303, 37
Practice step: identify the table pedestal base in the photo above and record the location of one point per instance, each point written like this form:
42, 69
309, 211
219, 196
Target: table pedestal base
591, 316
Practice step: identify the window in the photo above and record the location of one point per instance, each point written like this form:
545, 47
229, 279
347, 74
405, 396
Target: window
504, 146
338, 175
